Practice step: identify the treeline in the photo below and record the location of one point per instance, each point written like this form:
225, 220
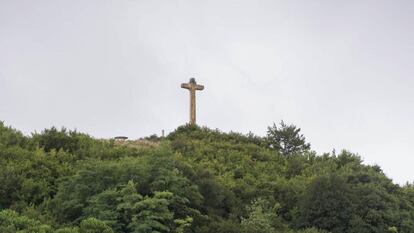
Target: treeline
196, 180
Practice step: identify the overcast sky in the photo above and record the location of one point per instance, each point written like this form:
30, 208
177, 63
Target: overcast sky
341, 70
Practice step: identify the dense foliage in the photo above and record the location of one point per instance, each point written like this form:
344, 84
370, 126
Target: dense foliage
196, 180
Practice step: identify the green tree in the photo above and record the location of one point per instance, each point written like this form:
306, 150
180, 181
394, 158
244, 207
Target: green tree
286, 139
64, 139
103, 206
12, 137
182, 224
93, 225
262, 219
152, 214
312, 230
67, 230
328, 204
127, 202
11, 222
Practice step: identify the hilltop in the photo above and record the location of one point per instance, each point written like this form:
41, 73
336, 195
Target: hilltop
194, 180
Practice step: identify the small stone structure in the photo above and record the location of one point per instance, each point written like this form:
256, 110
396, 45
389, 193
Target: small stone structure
120, 138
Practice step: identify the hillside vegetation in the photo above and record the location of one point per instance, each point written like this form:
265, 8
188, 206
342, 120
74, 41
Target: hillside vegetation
196, 180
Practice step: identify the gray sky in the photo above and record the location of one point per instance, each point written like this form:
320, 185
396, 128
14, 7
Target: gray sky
341, 70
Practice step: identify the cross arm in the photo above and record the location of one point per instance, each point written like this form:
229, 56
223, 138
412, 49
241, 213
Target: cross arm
199, 87
185, 86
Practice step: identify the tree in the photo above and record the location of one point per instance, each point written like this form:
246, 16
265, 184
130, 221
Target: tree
127, 202
11, 222
93, 225
12, 137
262, 218
103, 206
152, 214
182, 224
62, 139
328, 204
312, 230
286, 139
67, 230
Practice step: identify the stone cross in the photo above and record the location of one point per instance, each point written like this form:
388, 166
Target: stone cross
192, 86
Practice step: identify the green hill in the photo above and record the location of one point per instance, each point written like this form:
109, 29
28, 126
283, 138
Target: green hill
194, 180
